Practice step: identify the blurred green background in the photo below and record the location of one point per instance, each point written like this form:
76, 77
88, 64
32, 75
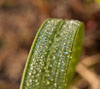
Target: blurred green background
21, 19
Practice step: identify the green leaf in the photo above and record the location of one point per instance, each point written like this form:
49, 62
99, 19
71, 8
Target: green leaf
54, 55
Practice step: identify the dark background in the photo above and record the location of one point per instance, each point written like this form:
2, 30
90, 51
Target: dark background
21, 19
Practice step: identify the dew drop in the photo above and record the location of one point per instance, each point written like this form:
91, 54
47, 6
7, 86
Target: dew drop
68, 56
47, 71
55, 85
30, 73
71, 57
65, 52
62, 70
48, 82
54, 57
31, 68
30, 80
37, 83
34, 72
38, 74
36, 80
